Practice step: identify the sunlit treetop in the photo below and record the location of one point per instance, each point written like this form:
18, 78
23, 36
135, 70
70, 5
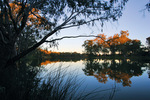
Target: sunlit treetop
116, 39
73, 12
48, 52
100, 38
34, 17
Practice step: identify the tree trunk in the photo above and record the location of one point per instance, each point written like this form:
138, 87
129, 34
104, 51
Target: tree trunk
7, 51
113, 51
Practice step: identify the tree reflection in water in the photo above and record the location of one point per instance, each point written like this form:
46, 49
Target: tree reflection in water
148, 72
23, 83
119, 70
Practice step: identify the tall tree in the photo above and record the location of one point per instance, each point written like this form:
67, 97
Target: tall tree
49, 16
89, 47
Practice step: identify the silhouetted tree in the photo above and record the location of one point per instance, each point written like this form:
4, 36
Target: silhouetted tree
49, 17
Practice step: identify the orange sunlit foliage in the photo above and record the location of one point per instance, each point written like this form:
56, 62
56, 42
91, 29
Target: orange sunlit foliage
116, 43
101, 39
48, 52
18, 11
48, 62
33, 18
118, 40
89, 42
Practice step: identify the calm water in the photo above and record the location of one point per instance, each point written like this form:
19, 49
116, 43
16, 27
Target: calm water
108, 79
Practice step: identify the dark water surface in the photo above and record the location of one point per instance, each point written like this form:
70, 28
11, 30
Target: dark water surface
68, 80
109, 79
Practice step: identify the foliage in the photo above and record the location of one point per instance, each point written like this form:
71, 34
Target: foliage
148, 6
114, 44
63, 56
148, 41
49, 17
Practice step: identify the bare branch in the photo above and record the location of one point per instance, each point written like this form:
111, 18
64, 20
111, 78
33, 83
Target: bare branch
78, 37
24, 20
72, 17
75, 25
72, 37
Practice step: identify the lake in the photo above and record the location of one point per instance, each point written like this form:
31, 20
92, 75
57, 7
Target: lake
108, 79
86, 79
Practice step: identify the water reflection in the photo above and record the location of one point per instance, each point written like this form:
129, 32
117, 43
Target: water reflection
119, 70
27, 86
48, 62
23, 82
19, 82
148, 72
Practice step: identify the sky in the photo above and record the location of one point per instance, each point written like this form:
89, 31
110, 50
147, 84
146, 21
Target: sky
134, 19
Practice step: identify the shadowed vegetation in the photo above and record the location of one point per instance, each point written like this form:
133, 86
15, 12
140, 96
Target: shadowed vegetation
44, 18
28, 83
118, 44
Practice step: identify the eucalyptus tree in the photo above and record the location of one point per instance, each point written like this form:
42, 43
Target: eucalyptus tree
49, 17
89, 47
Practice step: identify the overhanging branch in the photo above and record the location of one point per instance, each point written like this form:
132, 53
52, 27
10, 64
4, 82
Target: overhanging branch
75, 25
72, 37
65, 37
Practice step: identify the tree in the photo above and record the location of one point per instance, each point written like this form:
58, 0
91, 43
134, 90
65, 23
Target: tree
148, 6
116, 43
148, 41
26, 39
89, 47
101, 44
49, 16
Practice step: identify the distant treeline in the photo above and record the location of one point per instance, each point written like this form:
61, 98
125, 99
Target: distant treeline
74, 56
45, 54
116, 45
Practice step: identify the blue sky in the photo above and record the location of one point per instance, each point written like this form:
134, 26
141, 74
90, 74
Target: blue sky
134, 19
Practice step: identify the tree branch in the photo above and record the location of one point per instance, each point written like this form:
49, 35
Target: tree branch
65, 37
72, 37
20, 12
22, 54
75, 25
10, 14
